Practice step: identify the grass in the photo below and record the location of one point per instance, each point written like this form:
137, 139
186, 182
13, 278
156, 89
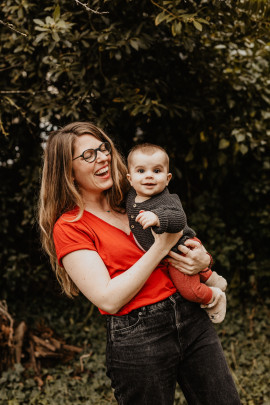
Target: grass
244, 335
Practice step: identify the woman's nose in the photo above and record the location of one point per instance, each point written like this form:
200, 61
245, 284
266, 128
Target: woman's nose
101, 156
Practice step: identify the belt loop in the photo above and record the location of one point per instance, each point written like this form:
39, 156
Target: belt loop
172, 299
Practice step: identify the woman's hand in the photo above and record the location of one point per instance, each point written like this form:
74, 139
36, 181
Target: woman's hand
165, 241
194, 260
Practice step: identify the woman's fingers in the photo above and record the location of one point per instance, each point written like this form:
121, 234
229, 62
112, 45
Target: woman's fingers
178, 257
183, 267
184, 249
193, 260
182, 263
192, 243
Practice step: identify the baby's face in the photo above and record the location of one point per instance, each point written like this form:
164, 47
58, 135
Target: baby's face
148, 174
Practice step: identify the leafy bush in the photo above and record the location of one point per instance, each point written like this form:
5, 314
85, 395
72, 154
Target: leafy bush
190, 76
244, 335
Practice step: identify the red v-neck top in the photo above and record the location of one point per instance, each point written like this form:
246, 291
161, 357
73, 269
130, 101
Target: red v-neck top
118, 251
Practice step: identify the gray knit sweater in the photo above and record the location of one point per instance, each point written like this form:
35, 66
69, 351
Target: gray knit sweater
171, 216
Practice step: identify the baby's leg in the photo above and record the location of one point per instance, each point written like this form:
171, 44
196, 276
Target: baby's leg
190, 287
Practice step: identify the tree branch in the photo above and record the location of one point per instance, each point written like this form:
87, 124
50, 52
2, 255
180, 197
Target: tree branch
164, 9
90, 9
16, 91
11, 26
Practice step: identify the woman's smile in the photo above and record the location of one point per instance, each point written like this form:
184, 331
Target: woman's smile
103, 172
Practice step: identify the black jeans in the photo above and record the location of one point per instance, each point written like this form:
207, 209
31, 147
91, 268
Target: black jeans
155, 346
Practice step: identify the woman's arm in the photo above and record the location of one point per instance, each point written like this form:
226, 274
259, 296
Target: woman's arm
89, 273
196, 258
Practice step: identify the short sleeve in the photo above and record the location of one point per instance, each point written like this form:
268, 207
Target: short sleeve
69, 237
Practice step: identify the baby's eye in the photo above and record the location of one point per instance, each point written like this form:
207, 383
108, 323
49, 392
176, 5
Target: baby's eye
157, 171
140, 170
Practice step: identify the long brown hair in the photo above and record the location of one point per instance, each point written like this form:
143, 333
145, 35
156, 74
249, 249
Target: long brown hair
59, 194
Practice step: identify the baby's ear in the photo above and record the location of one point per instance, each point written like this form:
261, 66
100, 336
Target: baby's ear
129, 178
169, 176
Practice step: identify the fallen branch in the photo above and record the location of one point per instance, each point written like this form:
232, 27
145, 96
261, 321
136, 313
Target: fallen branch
84, 356
47, 347
18, 340
33, 361
71, 348
6, 338
32, 347
43, 343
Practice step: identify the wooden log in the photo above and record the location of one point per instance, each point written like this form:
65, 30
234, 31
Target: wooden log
57, 344
33, 361
39, 351
8, 318
71, 348
18, 340
44, 343
6, 338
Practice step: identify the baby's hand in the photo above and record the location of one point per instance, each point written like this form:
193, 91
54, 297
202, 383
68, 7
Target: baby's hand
147, 218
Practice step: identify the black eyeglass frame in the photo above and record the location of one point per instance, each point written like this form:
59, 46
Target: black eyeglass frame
108, 149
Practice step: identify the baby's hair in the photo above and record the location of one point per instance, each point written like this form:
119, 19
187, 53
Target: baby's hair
148, 149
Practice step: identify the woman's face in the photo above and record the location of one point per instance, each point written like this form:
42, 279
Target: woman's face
94, 177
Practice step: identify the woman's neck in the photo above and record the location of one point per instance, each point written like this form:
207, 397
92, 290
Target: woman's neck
96, 204
100, 207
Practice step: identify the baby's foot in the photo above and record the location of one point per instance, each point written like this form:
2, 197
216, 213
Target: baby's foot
216, 309
217, 281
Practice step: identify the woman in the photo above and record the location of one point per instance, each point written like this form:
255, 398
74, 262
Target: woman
155, 337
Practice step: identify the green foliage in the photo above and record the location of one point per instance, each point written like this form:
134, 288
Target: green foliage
244, 335
192, 76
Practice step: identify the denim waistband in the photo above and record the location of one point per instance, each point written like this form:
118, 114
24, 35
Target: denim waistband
167, 303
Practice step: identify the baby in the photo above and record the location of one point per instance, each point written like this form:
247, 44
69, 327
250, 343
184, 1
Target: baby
150, 205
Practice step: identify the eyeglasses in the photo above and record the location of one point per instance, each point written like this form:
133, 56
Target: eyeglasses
90, 155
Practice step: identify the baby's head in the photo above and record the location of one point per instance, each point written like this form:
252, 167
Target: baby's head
155, 151
148, 169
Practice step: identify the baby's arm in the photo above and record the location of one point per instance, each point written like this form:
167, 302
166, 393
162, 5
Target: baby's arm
172, 217
147, 218
167, 217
